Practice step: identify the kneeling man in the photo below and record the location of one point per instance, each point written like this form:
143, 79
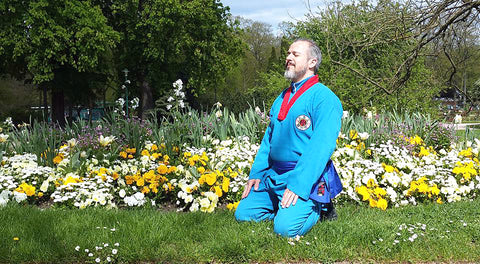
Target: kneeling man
293, 180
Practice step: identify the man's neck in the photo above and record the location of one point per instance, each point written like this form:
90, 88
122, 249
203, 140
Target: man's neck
297, 85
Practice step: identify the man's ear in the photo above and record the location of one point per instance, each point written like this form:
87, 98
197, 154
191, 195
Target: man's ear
312, 63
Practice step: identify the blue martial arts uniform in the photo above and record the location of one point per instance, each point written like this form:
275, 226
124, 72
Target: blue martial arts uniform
294, 154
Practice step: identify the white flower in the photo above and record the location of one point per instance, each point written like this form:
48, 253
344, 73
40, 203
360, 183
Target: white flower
369, 115
170, 99
457, 119
364, 135
3, 138
114, 251
19, 197
218, 114
122, 193
218, 104
105, 141
178, 84
90, 254
72, 143
345, 114
169, 107
77, 248
257, 110
97, 260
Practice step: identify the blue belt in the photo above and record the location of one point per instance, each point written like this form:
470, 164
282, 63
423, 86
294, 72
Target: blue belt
326, 188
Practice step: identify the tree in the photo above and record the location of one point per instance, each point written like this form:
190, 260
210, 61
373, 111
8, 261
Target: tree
166, 40
42, 38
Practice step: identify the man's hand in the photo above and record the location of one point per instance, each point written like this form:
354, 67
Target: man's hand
289, 198
250, 183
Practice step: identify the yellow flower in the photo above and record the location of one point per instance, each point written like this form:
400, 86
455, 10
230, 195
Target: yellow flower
29, 190
40, 194
187, 154
371, 183
154, 147
363, 191
416, 140
211, 178
225, 184
58, 158
149, 176
379, 191
16, 239
145, 153
130, 156
388, 168
172, 169
140, 182
129, 179
155, 156
423, 152
145, 189
466, 153
372, 202
115, 175
218, 191
439, 200
353, 134
131, 150
233, 206
162, 169
201, 170
369, 152
71, 179
382, 204
123, 154
204, 156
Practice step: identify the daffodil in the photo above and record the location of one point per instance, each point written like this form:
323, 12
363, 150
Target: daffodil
105, 141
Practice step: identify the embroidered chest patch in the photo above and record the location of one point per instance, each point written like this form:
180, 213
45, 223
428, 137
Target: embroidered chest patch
303, 122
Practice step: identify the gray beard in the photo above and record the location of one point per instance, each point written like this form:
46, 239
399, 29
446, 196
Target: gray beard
294, 75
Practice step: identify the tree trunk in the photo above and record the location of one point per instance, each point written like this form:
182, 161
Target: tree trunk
146, 98
45, 103
58, 108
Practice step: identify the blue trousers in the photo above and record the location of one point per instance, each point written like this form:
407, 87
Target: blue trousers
264, 204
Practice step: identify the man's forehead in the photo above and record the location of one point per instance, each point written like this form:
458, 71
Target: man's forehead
299, 47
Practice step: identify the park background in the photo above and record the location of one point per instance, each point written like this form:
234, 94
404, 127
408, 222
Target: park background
147, 105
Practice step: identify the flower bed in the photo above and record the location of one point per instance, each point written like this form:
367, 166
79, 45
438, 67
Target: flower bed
382, 175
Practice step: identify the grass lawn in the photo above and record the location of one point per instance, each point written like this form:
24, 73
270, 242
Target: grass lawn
424, 233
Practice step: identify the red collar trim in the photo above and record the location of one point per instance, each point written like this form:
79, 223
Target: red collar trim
286, 104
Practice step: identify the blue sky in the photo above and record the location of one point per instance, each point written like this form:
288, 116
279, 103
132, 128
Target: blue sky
270, 11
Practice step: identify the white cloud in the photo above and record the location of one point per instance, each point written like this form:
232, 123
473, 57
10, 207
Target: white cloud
269, 11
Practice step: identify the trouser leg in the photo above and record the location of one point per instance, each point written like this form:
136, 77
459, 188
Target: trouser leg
257, 206
297, 219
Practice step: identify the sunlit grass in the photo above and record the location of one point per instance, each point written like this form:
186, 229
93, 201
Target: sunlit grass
449, 232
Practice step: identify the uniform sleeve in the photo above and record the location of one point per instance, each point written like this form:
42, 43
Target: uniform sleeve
261, 164
326, 121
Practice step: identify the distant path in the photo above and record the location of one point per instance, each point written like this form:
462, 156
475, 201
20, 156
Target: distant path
461, 126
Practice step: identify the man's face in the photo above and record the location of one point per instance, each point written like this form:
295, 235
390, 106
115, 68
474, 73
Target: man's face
297, 63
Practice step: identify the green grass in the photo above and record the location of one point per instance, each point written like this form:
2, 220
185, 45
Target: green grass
452, 233
472, 133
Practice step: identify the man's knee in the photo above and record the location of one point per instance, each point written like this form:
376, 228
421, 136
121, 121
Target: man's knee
286, 229
241, 214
